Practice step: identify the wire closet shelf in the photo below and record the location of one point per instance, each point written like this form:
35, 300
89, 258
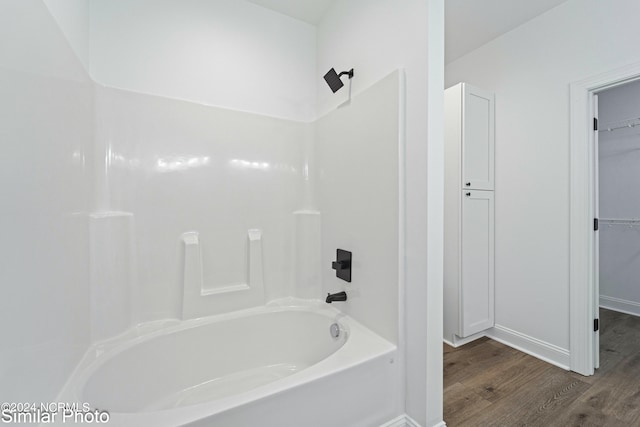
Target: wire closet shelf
620, 124
629, 222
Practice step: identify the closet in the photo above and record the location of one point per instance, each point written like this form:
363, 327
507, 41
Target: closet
469, 213
619, 198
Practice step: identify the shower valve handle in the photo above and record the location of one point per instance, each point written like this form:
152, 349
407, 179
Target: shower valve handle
340, 265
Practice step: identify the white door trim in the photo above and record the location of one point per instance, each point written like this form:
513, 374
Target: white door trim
582, 301
596, 236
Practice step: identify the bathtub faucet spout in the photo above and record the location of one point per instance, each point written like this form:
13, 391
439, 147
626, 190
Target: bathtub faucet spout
340, 296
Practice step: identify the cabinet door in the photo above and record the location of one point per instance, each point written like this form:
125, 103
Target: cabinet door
477, 139
477, 278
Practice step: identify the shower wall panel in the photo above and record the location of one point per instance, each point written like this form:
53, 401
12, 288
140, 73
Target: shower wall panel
358, 155
46, 125
180, 167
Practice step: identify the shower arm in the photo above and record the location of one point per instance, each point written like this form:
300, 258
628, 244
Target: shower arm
348, 73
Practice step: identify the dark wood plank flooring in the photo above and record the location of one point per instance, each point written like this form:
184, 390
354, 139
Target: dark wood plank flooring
490, 384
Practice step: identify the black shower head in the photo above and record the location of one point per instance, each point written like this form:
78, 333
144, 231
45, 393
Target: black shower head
333, 79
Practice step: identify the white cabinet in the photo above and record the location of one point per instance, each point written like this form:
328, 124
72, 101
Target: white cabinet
470, 112
469, 212
476, 254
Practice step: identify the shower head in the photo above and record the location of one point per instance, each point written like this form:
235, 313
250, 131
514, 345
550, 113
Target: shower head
333, 79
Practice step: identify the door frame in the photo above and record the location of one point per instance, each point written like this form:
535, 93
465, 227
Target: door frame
582, 268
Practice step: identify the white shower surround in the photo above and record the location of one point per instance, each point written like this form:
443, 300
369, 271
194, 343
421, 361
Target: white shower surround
179, 167
182, 167
365, 131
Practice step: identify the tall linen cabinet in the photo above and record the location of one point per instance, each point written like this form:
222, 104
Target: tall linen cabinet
469, 213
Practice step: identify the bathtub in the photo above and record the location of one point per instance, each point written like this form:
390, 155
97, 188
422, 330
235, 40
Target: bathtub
276, 365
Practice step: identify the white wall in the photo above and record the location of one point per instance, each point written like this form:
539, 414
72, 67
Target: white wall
530, 69
227, 53
73, 18
619, 168
375, 38
46, 102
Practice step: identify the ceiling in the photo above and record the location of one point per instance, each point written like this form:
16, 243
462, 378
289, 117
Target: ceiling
469, 23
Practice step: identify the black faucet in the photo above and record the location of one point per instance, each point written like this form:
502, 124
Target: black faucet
340, 296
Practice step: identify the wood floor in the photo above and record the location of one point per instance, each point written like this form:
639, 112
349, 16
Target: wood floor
489, 384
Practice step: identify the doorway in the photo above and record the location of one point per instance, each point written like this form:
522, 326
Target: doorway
584, 222
617, 209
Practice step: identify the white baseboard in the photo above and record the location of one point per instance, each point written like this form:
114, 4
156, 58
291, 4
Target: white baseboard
621, 305
542, 350
400, 421
457, 342
407, 421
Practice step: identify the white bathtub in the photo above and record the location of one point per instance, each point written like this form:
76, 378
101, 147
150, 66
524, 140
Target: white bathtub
270, 366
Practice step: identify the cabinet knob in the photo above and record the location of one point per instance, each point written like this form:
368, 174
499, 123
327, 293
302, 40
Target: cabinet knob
468, 194
468, 184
